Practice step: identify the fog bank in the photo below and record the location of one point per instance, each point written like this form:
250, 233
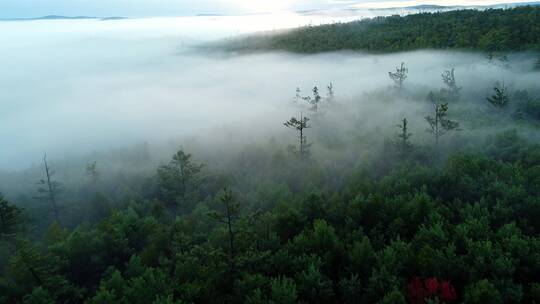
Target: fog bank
78, 86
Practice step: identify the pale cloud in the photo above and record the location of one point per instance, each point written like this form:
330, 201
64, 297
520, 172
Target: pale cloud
144, 8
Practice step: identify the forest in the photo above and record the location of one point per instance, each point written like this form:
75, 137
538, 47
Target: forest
406, 193
424, 217
490, 30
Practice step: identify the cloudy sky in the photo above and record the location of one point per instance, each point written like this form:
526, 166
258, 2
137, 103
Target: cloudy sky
142, 8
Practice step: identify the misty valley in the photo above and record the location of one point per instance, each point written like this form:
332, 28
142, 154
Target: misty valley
368, 157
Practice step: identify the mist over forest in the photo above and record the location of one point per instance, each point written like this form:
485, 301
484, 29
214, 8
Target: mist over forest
255, 159
162, 108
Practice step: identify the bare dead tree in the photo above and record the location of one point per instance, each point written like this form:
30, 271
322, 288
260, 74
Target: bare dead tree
49, 189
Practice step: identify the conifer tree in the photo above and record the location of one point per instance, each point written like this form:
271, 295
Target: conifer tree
9, 218
228, 217
315, 100
298, 95
438, 122
500, 99
330, 92
399, 76
92, 173
300, 125
178, 178
404, 135
451, 91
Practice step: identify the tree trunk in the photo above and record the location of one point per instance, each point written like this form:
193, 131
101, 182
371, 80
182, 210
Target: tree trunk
231, 237
52, 196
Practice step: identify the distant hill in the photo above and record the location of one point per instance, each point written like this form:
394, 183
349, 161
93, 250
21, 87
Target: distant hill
490, 30
59, 17
209, 15
405, 10
455, 7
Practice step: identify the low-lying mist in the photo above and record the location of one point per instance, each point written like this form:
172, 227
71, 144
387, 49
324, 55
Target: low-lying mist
82, 95
73, 86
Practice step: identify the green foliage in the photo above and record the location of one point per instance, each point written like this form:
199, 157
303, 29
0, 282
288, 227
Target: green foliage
404, 143
283, 291
467, 221
500, 99
439, 124
491, 30
39, 296
167, 300
394, 297
300, 125
30, 269
229, 216
10, 218
471, 222
527, 107
314, 286
351, 289
178, 181
482, 292
535, 292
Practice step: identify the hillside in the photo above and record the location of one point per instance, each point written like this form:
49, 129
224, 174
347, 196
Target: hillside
491, 30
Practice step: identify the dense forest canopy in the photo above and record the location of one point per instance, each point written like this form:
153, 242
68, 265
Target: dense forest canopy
441, 211
405, 193
491, 30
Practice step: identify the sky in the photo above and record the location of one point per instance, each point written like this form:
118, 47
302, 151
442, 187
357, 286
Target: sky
149, 8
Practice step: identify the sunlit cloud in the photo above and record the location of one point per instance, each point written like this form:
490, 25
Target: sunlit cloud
261, 5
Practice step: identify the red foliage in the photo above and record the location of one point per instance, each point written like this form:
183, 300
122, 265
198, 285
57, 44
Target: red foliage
432, 286
448, 292
416, 291
421, 289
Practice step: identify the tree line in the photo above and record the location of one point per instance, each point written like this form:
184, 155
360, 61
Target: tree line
489, 30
